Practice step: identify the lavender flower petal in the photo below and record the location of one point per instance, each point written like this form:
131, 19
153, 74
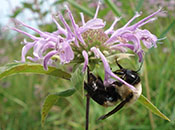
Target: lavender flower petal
133, 27
93, 24
108, 72
132, 19
140, 55
149, 40
37, 48
116, 36
98, 54
25, 33
47, 58
131, 37
121, 80
69, 32
85, 55
25, 49
42, 34
34, 59
66, 53
75, 26
110, 30
82, 18
60, 29
97, 10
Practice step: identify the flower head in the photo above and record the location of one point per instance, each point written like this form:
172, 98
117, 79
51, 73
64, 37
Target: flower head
88, 42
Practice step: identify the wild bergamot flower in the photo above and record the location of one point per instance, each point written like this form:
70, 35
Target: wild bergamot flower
83, 43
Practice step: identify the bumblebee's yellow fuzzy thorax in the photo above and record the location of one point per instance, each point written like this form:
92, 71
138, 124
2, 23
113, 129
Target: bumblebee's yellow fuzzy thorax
124, 91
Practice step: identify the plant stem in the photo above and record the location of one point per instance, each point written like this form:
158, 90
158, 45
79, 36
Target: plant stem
87, 103
87, 111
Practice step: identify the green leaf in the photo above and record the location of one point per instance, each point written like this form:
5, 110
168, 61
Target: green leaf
51, 100
33, 68
144, 101
77, 80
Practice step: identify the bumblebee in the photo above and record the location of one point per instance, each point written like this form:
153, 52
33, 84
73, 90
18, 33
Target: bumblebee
110, 95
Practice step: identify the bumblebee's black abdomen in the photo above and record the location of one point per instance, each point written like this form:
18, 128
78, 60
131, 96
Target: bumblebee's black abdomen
113, 95
102, 94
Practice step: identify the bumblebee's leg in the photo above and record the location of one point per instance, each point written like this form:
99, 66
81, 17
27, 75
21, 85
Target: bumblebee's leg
119, 65
116, 108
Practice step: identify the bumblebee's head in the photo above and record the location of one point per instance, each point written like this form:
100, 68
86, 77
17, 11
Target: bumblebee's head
129, 76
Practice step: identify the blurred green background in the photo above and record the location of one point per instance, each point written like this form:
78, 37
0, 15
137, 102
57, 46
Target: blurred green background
21, 96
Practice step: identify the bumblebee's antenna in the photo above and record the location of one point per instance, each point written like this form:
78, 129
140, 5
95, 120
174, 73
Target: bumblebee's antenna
140, 67
119, 65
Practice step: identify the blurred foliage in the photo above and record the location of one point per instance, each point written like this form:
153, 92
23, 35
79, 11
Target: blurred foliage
21, 96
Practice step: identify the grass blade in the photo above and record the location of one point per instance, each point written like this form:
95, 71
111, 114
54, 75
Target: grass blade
14, 99
113, 7
167, 29
139, 5
81, 8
